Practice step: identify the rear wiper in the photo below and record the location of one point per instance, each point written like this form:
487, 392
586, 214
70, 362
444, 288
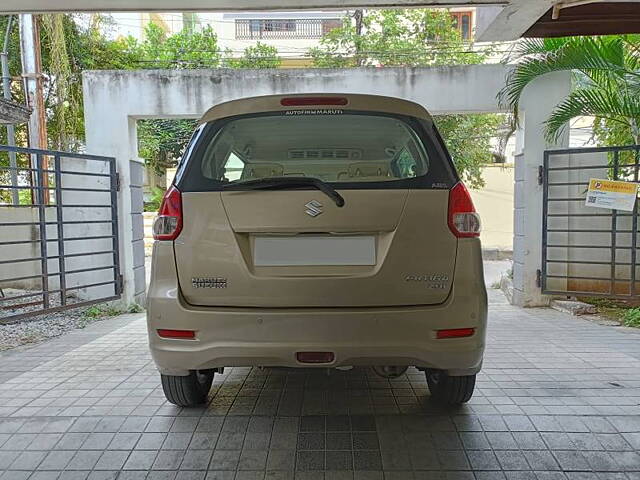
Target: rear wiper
274, 183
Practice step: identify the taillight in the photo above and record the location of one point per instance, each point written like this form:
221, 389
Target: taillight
168, 223
463, 220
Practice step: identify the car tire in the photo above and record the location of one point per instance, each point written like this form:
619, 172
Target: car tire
450, 390
188, 391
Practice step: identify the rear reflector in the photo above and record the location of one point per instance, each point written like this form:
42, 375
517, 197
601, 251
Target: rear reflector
184, 334
455, 333
306, 101
315, 357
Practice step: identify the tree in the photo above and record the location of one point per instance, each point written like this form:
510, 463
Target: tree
185, 49
606, 78
161, 142
259, 55
416, 38
468, 139
395, 37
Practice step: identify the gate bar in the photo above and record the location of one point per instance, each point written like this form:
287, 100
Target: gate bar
42, 216
60, 227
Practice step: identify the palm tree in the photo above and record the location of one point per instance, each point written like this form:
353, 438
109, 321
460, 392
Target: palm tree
606, 74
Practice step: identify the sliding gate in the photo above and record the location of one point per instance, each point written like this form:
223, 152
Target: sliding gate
588, 251
59, 245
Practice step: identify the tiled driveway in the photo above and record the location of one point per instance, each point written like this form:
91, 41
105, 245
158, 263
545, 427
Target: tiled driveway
559, 398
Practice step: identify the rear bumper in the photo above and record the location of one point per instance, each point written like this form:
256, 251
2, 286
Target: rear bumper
228, 337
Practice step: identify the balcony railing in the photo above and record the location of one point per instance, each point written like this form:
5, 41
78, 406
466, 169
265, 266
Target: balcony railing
285, 28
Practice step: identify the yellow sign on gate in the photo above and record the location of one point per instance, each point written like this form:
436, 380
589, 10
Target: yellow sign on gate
612, 194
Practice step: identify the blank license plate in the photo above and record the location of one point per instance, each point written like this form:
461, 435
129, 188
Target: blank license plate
314, 250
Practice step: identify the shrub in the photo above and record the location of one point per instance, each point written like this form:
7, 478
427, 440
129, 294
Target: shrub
632, 318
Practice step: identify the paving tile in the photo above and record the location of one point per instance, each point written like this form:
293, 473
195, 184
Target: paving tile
168, 460
56, 460
252, 460
544, 409
311, 441
483, 460
84, 460
140, 460
224, 460
281, 460
112, 460
27, 461
310, 461
341, 441
572, 460
512, 460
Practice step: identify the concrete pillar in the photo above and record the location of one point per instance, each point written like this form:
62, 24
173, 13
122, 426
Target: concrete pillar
539, 99
119, 140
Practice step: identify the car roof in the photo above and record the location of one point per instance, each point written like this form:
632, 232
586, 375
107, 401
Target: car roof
272, 103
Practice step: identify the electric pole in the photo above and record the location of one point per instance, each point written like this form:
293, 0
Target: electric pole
11, 130
33, 80
34, 94
358, 15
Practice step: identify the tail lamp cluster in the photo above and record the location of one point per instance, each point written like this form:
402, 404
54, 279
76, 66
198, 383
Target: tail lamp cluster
464, 222
168, 223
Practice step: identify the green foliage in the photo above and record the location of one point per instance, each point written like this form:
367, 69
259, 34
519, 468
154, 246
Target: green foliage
135, 308
100, 311
608, 132
632, 318
396, 37
69, 48
606, 72
468, 141
259, 55
624, 311
185, 49
161, 141
417, 38
155, 199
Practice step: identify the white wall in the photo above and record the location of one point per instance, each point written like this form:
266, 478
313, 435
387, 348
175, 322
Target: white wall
494, 203
114, 100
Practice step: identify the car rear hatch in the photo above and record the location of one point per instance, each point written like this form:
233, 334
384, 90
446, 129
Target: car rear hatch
258, 232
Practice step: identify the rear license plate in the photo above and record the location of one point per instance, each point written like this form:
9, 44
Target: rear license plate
314, 250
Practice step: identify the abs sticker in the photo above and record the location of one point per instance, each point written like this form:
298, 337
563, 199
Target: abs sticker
314, 112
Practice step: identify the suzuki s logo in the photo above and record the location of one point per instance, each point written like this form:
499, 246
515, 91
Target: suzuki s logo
314, 208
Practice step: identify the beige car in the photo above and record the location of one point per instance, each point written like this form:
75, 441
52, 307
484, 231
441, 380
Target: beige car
317, 231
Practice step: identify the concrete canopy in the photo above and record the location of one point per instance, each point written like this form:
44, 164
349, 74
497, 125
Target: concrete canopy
520, 15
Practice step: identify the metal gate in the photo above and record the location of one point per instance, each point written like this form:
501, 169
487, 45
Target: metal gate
59, 245
588, 251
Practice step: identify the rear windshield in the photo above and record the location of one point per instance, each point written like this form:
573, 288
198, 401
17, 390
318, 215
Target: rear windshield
349, 149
